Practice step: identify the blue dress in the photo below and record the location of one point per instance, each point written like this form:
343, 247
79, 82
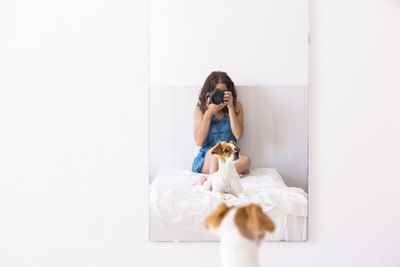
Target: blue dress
220, 130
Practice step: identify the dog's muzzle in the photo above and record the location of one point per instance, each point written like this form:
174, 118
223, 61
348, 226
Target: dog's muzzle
236, 156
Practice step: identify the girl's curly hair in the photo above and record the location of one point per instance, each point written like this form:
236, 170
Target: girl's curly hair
209, 85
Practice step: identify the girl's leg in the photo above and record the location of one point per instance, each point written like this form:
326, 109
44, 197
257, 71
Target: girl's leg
213, 164
243, 165
210, 165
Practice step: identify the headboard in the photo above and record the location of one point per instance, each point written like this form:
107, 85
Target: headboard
275, 129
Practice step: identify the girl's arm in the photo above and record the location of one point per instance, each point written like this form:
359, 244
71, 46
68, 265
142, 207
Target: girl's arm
201, 125
202, 121
236, 120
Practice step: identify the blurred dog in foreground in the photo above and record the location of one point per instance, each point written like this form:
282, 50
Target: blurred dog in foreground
240, 230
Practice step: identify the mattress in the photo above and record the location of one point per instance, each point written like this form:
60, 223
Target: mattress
177, 208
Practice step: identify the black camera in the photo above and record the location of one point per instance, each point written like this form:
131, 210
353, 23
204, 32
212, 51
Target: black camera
217, 97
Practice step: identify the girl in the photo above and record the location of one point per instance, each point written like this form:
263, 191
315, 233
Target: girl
214, 123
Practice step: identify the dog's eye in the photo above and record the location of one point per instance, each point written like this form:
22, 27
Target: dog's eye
226, 151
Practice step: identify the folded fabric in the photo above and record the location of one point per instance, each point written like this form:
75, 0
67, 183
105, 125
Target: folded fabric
175, 200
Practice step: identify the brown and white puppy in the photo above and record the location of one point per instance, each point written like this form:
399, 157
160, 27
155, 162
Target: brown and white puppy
226, 179
240, 230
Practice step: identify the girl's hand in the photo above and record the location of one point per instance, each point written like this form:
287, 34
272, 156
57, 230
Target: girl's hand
228, 99
212, 108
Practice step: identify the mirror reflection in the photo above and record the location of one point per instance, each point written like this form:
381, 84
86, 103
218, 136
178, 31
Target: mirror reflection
228, 119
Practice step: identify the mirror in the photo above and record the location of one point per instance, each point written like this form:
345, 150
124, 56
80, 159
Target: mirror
256, 52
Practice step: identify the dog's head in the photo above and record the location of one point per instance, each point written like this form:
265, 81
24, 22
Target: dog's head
226, 151
250, 220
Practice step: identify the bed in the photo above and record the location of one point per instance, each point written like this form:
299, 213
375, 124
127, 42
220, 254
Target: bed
177, 208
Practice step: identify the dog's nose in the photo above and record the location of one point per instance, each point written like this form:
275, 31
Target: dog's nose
236, 155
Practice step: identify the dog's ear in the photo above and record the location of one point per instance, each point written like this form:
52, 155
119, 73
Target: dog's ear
217, 149
215, 218
252, 222
236, 145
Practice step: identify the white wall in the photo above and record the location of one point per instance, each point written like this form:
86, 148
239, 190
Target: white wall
74, 139
257, 42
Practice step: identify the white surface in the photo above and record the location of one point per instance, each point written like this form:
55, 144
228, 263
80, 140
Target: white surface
275, 129
256, 42
175, 202
71, 192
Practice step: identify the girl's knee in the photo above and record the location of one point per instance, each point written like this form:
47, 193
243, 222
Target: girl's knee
213, 164
214, 161
246, 160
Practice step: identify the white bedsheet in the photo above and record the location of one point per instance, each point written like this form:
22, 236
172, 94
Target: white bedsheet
177, 208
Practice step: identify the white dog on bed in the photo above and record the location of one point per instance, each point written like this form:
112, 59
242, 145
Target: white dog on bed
226, 179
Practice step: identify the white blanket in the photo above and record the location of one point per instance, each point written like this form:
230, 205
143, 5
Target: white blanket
174, 200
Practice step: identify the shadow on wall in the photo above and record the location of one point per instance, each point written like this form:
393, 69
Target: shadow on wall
275, 123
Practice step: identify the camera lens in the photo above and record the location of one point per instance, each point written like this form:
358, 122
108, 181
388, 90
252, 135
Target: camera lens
217, 96
217, 99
